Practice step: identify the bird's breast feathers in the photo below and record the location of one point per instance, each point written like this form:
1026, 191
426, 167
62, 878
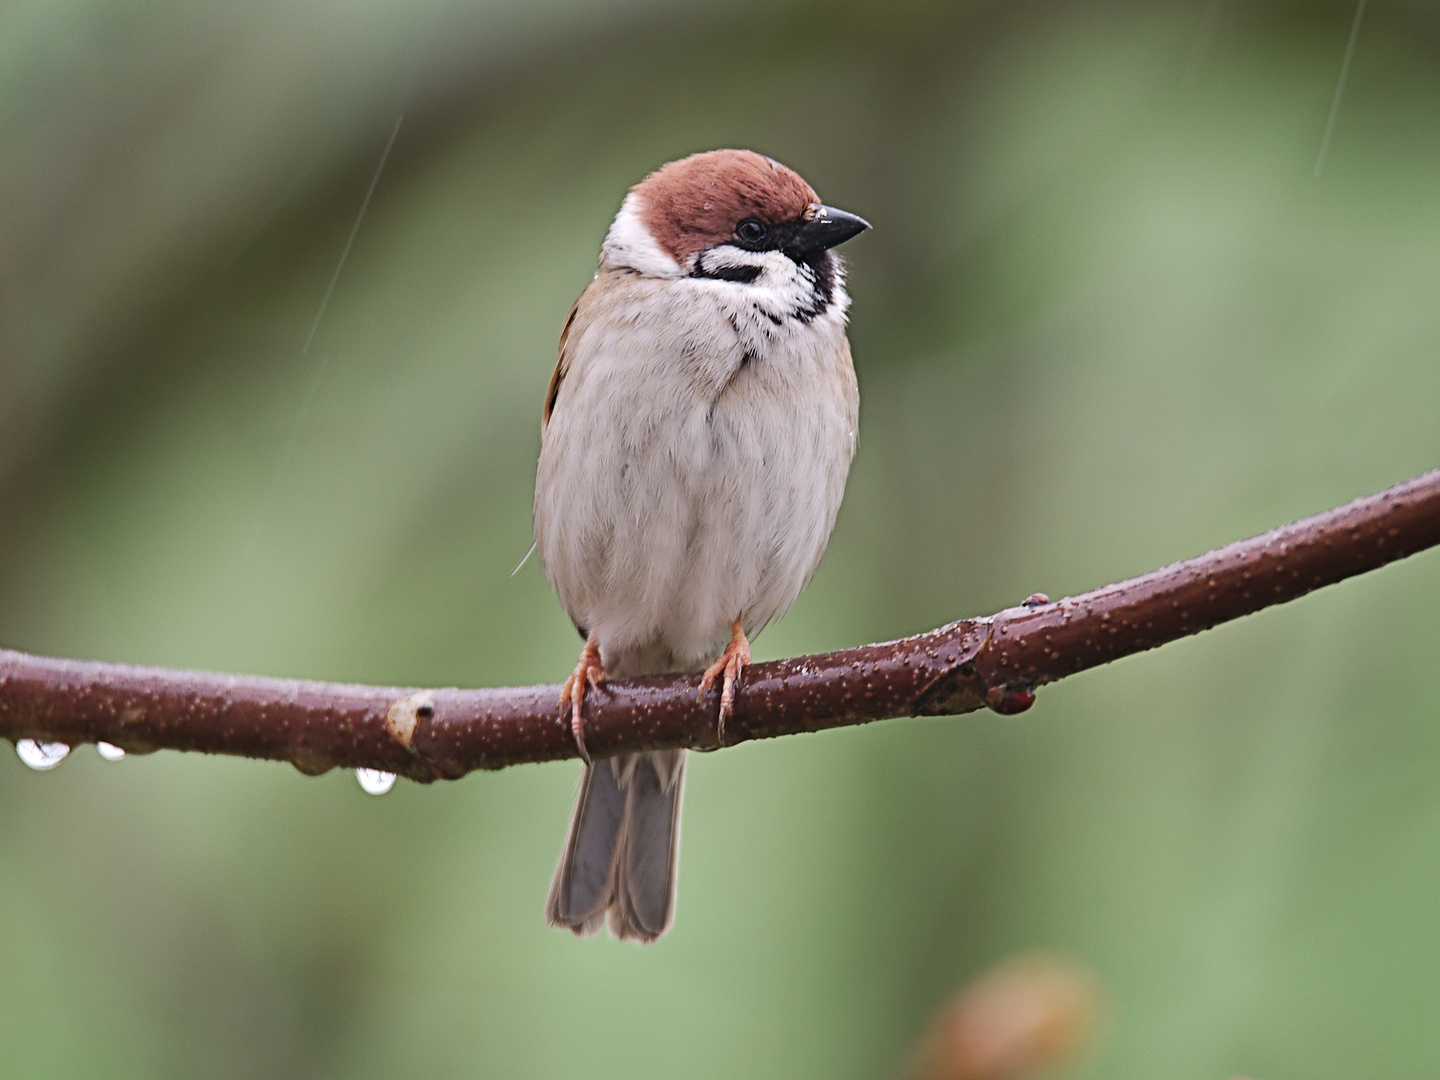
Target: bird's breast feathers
696, 441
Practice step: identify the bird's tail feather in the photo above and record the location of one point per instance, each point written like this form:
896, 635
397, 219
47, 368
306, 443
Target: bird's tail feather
622, 851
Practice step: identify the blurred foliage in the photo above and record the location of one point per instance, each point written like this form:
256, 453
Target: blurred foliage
1108, 318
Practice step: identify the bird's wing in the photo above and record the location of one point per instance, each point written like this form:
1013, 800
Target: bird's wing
562, 367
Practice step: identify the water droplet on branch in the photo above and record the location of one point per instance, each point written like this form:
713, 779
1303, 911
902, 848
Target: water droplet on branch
375, 781
41, 755
109, 751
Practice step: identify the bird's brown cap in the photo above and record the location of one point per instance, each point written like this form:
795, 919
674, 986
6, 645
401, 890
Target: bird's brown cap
696, 202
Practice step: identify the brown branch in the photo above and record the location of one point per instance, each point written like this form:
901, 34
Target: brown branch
434, 734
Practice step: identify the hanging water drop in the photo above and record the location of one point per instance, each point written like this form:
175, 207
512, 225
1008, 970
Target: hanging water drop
41, 755
109, 751
375, 781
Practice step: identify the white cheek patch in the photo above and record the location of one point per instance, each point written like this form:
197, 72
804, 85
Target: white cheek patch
780, 289
730, 263
629, 244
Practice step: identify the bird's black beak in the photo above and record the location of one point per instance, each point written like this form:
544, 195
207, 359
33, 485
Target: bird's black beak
826, 229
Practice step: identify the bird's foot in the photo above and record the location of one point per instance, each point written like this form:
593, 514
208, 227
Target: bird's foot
731, 663
588, 672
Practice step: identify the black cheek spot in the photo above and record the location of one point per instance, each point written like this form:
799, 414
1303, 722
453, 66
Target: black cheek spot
745, 275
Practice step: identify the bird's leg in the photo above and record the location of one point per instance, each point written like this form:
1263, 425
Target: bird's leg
588, 671
731, 663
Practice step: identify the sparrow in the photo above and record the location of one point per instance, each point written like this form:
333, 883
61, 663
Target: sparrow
695, 442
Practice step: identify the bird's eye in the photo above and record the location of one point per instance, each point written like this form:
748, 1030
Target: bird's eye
750, 231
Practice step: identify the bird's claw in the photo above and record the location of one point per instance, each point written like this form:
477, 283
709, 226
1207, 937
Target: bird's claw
588, 672
731, 664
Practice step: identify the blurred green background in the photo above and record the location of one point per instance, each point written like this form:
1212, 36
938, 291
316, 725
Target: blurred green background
1108, 317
